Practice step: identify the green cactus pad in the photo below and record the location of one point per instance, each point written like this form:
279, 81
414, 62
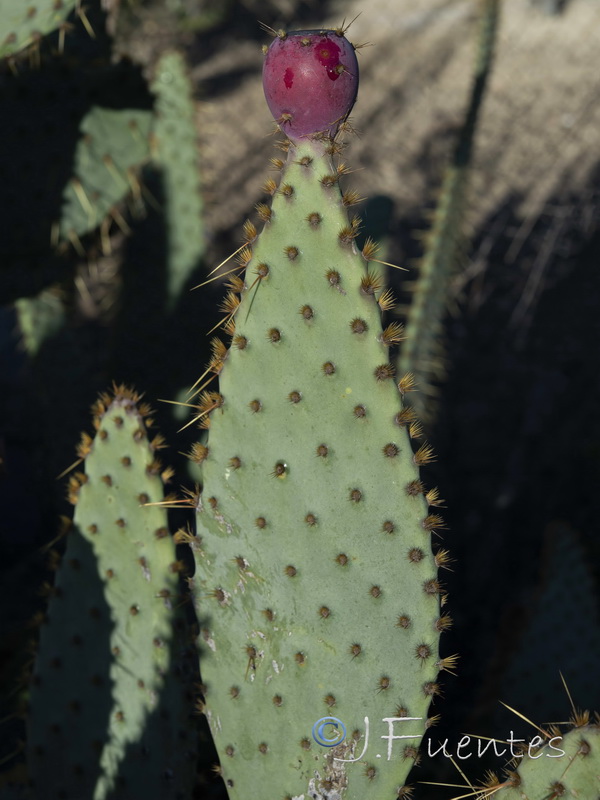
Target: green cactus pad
113, 142
107, 717
40, 318
22, 23
316, 585
177, 157
566, 766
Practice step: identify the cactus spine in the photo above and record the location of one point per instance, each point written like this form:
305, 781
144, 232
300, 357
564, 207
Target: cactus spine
316, 585
562, 766
108, 716
22, 24
113, 143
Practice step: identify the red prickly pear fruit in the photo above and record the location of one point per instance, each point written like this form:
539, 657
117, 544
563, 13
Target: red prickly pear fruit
310, 79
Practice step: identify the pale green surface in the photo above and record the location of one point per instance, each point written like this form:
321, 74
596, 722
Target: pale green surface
576, 774
177, 158
284, 432
91, 684
39, 318
112, 142
21, 21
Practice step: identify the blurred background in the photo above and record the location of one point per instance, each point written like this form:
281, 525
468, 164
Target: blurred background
514, 415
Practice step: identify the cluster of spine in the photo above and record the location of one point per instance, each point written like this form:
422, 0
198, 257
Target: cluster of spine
109, 712
316, 586
422, 352
113, 144
564, 765
23, 24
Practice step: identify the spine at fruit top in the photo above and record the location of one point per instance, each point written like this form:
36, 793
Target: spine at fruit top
316, 585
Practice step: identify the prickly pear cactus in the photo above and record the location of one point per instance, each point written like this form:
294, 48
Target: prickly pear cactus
112, 144
39, 318
316, 585
108, 718
423, 352
22, 23
564, 766
177, 157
